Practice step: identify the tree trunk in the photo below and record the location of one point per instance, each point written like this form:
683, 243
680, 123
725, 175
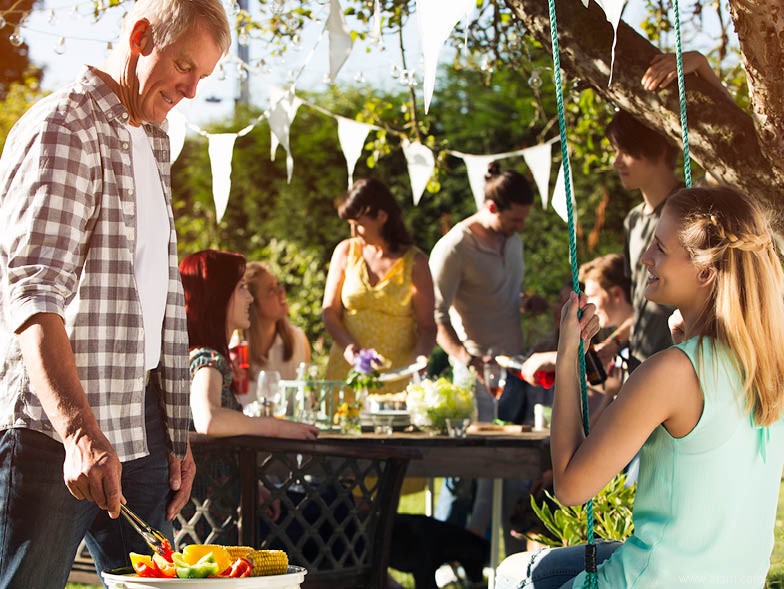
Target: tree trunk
760, 27
722, 137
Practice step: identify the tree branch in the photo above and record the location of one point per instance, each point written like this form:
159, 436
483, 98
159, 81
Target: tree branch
722, 137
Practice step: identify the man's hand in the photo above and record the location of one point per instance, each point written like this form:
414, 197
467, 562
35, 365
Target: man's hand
181, 474
92, 470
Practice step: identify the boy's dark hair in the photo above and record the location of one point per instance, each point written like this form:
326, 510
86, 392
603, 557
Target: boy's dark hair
639, 140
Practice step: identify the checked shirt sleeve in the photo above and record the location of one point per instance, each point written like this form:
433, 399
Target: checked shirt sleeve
47, 204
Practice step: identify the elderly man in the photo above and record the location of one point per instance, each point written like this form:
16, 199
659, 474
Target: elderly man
93, 359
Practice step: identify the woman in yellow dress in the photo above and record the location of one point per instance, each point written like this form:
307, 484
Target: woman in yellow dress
379, 291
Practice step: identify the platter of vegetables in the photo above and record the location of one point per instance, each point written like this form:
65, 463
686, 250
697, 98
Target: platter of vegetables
210, 566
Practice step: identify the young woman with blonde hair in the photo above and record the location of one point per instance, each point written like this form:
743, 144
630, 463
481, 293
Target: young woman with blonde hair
273, 342
705, 414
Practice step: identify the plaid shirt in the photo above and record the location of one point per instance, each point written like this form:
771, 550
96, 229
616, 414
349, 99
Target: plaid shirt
67, 246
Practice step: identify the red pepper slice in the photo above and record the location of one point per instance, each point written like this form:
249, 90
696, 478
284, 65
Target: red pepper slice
167, 549
151, 570
239, 568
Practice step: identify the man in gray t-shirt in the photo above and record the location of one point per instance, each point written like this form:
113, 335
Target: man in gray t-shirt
477, 272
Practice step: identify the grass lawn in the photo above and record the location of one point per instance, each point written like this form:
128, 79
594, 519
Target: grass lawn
415, 503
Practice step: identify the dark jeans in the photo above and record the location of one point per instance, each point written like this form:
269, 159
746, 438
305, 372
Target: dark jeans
41, 523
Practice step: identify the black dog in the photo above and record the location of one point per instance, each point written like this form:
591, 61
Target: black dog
421, 544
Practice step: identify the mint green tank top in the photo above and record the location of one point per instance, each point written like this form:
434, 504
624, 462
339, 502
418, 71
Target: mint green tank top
705, 508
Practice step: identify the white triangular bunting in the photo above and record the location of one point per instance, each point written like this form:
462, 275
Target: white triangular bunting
340, 41
559, 197
178, 125
612, 10
476, 166
421, 164
352, 135
436, 19
220, 149
285, 105
539, 160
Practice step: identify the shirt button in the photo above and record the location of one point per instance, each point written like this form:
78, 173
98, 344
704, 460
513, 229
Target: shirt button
125, 145
125, 115
130, 191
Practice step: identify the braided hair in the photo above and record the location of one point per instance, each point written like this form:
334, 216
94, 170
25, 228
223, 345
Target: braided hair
726, 233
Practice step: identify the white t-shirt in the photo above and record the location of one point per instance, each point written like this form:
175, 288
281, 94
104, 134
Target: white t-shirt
151, 258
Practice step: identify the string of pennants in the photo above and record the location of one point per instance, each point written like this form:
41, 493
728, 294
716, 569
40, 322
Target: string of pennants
436, 20
352, 136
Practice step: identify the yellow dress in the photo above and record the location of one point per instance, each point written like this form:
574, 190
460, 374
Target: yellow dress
379, 317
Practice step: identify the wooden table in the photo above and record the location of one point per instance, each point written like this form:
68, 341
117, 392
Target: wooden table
497, 456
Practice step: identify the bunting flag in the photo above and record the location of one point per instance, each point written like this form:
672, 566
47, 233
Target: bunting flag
280, 118
375, 34
340, 41
476, 166
539, 160
421, 164
177, 127
559, 197
612, 10
436, 19
352, 135
220, 149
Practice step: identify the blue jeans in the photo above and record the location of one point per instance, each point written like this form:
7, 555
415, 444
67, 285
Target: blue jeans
41, 523
550, 568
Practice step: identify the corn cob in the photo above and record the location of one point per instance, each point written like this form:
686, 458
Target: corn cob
239, 551
268, 562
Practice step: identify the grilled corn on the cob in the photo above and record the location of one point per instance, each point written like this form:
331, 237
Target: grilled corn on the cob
268, 562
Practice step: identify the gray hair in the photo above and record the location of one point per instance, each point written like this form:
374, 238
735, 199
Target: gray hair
171, 18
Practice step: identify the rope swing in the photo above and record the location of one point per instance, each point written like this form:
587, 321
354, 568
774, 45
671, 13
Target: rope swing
591, 579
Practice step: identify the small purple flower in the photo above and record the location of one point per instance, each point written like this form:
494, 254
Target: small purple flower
366, 361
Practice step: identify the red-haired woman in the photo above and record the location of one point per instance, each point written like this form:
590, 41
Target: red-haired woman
217, 302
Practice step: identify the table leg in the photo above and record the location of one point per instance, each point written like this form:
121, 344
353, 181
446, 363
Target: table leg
495, 531
430, 497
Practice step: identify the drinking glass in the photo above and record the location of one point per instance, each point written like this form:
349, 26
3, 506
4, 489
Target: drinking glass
495, 381
268, 390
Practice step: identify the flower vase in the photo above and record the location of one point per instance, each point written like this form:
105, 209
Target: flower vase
350, 425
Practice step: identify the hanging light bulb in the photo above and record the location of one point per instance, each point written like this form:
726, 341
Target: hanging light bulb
221, 73
234, 8
52, 17
242, 73
243, 38
16, 38
2, 22
395, 71
59, 47
486, 65
535, 81
109, 48
514, 41
359, 78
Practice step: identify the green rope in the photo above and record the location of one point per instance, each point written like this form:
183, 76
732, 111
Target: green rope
682, 97
591, 581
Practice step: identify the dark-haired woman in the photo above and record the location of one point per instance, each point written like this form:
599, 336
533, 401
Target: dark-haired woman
217, 302
379, 292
